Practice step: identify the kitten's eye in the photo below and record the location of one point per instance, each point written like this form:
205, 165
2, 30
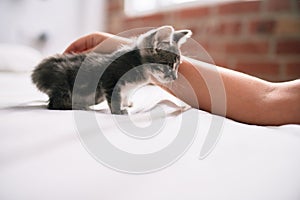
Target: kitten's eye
170, 64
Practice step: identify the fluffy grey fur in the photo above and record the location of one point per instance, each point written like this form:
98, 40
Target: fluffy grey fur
77, 81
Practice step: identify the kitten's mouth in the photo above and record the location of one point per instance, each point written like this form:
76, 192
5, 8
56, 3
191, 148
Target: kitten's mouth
160, 80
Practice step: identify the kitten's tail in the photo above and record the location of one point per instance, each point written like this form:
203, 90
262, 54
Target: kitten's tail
42, 75
51, 72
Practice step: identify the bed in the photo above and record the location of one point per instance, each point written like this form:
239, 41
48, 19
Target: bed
46, 154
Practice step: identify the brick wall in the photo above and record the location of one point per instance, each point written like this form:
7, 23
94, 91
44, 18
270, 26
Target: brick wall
261, 38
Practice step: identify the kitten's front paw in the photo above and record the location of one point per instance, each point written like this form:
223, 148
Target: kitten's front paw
120, 112
124, 112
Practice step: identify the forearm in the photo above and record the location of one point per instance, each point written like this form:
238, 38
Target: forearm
285, 98
248, 99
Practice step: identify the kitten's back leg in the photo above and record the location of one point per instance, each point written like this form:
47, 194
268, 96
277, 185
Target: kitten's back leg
60, 100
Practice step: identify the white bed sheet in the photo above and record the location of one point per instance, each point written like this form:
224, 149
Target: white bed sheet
42, 157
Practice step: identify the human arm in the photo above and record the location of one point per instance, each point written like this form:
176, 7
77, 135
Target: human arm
248, 99
241, 97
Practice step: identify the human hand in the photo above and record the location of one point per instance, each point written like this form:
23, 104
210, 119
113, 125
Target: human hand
86, 43
99, 42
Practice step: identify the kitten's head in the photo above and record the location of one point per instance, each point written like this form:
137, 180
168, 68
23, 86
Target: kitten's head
159, 49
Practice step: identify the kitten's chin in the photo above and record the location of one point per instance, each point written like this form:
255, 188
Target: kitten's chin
159, 81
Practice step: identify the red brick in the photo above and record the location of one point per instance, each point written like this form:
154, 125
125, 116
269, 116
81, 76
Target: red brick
114, 6
248, 47
129, 20
153, 17
239, 7
232, 27
291, 46
293, 69
130, 25
258, 68
288, 26
159, 17
278, 5
262, 26
193, 13
154, 20
223, 28
216, 47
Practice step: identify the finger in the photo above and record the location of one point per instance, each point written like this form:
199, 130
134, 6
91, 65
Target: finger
75, 46
84, 43
79, 45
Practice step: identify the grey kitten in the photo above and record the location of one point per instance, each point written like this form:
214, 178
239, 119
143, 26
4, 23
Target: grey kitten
77, 81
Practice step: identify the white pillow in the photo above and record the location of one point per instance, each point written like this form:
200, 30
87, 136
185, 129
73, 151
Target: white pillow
18, 58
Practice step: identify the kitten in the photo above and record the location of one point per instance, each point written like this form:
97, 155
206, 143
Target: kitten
77, 81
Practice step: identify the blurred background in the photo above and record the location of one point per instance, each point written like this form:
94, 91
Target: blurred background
259, 37
49, 25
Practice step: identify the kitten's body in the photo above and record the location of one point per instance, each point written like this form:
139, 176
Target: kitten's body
77, 81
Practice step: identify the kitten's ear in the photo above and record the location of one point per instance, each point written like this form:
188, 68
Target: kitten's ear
181, 36
163, 34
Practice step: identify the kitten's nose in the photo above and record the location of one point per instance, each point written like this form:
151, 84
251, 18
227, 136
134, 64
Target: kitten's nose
174, 76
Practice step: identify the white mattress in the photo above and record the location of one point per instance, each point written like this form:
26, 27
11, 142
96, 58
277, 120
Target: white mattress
43, 155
